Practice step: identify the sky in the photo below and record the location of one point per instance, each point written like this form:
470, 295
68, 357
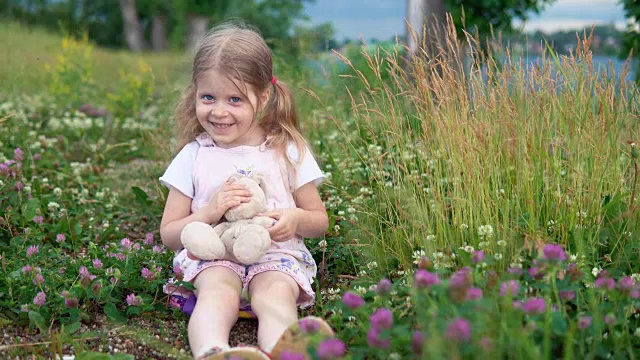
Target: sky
382, 19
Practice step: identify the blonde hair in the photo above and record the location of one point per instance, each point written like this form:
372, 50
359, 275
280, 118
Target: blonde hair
240, 51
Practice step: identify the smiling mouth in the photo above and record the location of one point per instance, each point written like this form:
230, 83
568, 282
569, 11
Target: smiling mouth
221, 126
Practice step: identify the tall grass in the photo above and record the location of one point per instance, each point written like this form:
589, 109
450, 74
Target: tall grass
505, 156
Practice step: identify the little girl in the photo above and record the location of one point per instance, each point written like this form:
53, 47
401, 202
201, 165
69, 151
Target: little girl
236, 117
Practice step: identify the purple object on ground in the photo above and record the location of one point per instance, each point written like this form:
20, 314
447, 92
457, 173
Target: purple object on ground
189, 305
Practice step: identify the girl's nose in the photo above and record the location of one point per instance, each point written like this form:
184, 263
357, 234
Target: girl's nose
218, 110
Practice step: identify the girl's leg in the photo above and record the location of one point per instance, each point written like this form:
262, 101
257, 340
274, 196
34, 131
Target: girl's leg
218, 290
273, 299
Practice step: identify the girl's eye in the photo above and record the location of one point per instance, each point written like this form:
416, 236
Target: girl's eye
235, 99
207, 97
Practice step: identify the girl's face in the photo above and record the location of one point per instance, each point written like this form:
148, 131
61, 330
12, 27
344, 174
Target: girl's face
227, 114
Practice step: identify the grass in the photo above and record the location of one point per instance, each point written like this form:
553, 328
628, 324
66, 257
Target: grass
454, 188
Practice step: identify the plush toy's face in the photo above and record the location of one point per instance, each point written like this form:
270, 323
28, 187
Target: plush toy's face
250, 209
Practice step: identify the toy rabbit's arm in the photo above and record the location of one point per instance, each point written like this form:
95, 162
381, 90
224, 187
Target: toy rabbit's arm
264, 221
222, 227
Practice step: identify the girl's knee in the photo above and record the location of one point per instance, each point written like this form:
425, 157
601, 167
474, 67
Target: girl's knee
280, 288
218, 280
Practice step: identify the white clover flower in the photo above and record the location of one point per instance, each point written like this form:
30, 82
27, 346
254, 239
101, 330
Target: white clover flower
468, 249
501, 243
394, 356
351, 318
323, 243
27, 189
52, 206
431, 237
636, 277
372, 265
100, 195
498, 256
341, 213
595, 271
438, 255
105, 224
351, 210
362, 273
336, 228
464, 226
637, 332
360, 289
1, 183
427, 190
483, 244
573, 257
582, 214
485, 231
417, 255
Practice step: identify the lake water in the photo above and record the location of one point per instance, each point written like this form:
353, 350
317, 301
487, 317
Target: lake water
601, 63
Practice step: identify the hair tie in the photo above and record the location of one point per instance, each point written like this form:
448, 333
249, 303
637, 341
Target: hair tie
274, 80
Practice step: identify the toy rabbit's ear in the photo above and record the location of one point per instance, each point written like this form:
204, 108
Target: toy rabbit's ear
259, 178
233, 178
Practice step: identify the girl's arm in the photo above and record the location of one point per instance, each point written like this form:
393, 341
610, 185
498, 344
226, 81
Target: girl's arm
314, 221
309, 219
177, 214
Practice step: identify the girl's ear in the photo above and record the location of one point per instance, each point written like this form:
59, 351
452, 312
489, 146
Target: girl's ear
264, 98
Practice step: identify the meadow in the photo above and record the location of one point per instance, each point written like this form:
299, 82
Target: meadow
491, 212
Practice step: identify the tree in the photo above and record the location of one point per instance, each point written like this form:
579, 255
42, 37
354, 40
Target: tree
132, 29
474, 16
631, 39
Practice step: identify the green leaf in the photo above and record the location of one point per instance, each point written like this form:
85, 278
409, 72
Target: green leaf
72, 328
141, 196
558, 324
30, 209
121, 356
112, 313
90, 355
77, 229
36, 319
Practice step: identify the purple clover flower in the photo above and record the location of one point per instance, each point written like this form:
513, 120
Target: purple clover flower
374, 339
40, 298
567, 295
513, 270
604, 283
625, 284
177, 270
147, 274
426, 279
26, 269
38, 219
536, 272
133, 300
474, 293
18, 155
309, 325
417, 342
610, 319
287, 355
126, 244
584, 322
32, 250
352, 300
60, 238
331, 349
477, 257
554, 252
97, 263
148, 239
459, 330
510, 287
381, 319
534, 306
383, 287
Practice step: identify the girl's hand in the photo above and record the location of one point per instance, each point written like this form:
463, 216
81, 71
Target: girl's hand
286, 223
229, 195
